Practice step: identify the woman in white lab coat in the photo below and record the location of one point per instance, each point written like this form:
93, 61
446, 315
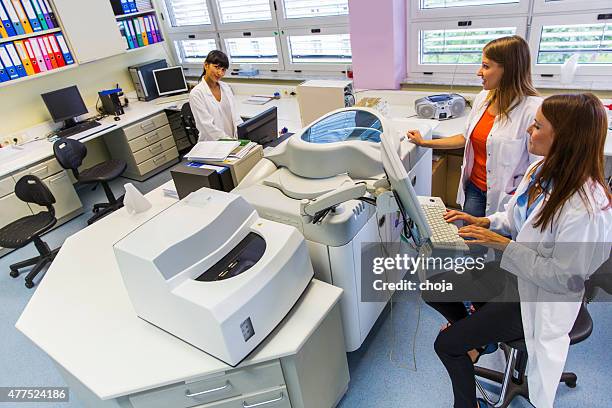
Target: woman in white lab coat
495, 136
212, 102
560, 221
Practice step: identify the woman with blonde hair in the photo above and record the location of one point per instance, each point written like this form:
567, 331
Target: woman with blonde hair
495, 136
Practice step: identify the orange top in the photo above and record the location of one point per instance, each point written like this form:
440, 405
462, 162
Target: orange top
479, 143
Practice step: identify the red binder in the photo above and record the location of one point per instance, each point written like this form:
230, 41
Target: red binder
31, 55
59, 57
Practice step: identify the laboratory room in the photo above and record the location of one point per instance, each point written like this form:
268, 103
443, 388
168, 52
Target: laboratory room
305, 203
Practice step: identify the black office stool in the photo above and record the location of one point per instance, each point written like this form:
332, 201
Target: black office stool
513, 380
70, 154
28, 229
189, 124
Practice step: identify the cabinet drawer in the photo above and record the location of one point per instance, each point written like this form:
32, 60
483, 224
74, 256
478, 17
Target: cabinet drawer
183, 144
7, 186
157, 161
11, 209
154, 149
42, 170
273, 398
145, 126
235, 383
149, 138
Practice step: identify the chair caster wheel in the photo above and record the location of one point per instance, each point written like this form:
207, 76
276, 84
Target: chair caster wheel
29, 284
14, 274
571, 384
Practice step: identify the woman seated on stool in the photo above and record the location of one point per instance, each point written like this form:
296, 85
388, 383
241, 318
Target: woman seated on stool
212, 102
560, 221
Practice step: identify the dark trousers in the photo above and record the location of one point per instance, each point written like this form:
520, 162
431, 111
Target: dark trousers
496, 319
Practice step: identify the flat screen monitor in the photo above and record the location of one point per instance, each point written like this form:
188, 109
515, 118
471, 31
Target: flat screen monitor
170, 80
405, 195
65, 104
261, 129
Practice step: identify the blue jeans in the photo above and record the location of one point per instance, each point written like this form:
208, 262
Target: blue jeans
475, 200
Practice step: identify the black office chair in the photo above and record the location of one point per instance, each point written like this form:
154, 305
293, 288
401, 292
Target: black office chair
189, 124
513, 380
28, 229
70, 154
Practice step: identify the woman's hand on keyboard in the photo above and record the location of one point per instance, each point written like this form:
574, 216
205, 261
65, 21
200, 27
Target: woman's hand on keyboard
454, 215
483, 236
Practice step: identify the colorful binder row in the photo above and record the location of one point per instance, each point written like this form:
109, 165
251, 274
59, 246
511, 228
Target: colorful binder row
34, 55
25, 16
130, 6
140, 31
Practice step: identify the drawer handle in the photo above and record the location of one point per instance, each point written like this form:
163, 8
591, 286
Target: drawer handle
143, 126
154, 136
197, 394
158, 147
160, 158
41, 170
55, 180
261, 404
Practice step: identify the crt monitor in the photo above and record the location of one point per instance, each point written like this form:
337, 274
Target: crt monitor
169, 80
407, 200
65, 105
261, 129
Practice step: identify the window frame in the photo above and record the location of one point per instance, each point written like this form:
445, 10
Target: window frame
416, 69
291, 66
543, 7
168, 16
416, 13
539, 21
187, 37
243, 25
285, 22
254, 34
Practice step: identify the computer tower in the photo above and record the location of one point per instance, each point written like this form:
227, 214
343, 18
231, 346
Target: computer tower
142, 76
318, 97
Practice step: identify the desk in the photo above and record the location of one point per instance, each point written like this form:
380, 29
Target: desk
81, 316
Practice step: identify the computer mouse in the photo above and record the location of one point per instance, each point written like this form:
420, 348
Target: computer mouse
117, 118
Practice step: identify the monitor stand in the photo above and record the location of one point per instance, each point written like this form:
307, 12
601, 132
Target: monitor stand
69, 123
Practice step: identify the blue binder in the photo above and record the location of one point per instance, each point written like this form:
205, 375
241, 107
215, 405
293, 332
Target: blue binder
11, 70
125, 5
31, 14
12, 52
39, 14
3, 74
6, 21
132, 5
64, 48
148, 29
10, 10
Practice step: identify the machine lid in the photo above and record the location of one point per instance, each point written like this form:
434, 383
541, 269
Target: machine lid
240, 259
346, 125
300, 188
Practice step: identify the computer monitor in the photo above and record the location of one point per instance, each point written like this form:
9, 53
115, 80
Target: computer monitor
65, 105
170, 80
261, 129
406, 196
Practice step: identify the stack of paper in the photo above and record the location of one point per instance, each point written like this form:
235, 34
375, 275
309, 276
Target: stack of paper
241, 151
212, 151
258, 99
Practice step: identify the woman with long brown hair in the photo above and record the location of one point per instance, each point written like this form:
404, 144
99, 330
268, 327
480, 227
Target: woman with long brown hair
560, 221
495, 137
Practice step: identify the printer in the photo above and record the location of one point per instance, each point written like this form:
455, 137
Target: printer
331, 164
205, 269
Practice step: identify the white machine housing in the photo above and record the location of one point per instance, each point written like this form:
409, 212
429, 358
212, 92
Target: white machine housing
162, 260
300, 170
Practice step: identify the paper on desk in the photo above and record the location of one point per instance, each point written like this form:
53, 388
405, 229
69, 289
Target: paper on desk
258, 100
212, 150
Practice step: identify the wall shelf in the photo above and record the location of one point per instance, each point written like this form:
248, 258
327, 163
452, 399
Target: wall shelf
144, 47
30, 35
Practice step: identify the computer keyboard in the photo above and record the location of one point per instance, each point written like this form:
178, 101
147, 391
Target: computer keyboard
173, 98
444, 234
81, 127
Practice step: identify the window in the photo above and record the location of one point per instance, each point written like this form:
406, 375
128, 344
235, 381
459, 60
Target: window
261, 50
436, 9
194, 51
546, 6
237, 11
315, 8
308, 49
188, 12
429, 4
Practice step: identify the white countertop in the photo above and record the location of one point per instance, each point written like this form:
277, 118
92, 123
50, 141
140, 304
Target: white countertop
81, 316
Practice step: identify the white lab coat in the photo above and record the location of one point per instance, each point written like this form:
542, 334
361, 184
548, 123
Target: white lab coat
207, 111
543, 265
507, 155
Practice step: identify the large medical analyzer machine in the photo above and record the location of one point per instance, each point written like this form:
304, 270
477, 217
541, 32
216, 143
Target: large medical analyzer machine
315, 182
213, 273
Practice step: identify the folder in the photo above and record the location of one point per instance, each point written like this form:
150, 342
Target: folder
132, 5
51, 14
49, 50
129, 37
65, 50
151, 27
4, 77
32, 56
143, 30
7, 29
43, 51
39, 14
147, 25
23, 18
125, 6
14, 19
23, 56
57, 53
132, 33
11, 70
157, 32
32, 18
137, 32
12, 52
123, 34
37, 54
45, 11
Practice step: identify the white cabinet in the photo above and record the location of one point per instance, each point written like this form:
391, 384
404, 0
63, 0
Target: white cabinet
91, 29
11, 209
66, 199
